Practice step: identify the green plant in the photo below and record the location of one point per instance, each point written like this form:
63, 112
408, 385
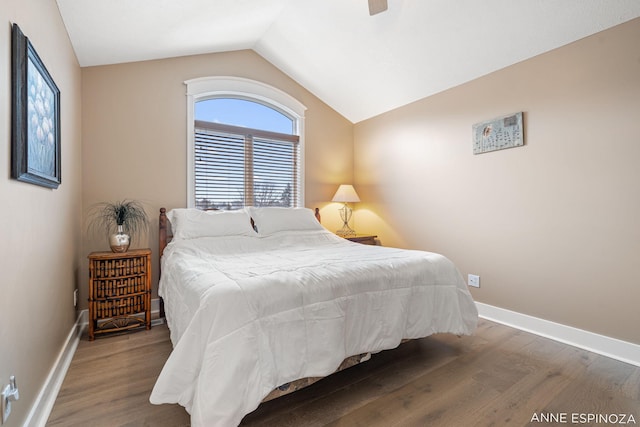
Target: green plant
129, 214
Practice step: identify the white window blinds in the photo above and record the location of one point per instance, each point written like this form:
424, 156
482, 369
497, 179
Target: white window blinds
236, 167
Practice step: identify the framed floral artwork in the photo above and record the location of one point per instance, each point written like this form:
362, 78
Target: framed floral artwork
35, 108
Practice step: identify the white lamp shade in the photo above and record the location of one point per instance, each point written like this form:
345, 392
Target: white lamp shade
346, 193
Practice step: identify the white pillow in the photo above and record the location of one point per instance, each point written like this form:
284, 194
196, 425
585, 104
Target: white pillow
194, 223
273, 220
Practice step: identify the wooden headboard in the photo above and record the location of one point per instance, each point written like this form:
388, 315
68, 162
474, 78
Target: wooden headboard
164, 235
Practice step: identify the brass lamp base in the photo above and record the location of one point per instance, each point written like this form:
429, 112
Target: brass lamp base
345, 215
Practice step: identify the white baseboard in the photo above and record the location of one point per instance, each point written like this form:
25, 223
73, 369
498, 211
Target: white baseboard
616, 349
155, 313
46, 398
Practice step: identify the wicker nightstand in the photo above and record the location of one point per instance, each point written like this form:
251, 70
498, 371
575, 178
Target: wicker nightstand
119, 291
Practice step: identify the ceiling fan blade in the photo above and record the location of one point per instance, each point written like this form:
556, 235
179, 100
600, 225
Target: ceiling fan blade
377, 6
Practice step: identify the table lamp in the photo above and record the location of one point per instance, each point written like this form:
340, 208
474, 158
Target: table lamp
346, 194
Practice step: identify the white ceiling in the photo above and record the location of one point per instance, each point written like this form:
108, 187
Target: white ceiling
358, 64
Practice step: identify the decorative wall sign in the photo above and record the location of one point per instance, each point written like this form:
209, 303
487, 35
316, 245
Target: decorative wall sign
497, 134
35, 108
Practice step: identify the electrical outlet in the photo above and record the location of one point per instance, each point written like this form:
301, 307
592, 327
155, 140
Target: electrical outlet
474, 280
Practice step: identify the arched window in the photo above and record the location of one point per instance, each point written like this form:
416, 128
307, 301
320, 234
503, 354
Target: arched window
244, 113
245, 145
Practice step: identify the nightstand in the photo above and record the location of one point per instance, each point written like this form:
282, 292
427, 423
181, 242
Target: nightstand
365, 239
119, 291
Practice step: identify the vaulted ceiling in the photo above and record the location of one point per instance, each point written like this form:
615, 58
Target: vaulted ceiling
358, 64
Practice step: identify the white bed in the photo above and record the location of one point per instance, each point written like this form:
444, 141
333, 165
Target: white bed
249, 312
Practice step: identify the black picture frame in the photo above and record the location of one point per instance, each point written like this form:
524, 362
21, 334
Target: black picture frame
35, 117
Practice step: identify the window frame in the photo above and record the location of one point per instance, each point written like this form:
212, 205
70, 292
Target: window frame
204, 88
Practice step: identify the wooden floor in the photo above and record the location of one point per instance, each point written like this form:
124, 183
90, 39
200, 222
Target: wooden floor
498, 376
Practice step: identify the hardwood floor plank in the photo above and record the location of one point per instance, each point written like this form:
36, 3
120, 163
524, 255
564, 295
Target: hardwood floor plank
379, 376
533, 392
499, 376
109, 382
440, 396
600, 390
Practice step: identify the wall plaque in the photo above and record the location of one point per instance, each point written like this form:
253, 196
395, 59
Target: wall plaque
497, 134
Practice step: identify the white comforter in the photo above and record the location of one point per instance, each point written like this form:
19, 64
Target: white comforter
248, 314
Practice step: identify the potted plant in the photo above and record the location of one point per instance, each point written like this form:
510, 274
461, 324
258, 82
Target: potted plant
122, 221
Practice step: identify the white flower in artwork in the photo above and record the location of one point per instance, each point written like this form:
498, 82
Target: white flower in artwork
39, 105
46, 128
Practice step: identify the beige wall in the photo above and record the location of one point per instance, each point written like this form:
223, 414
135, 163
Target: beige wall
552, 228
134, 134
40, 227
